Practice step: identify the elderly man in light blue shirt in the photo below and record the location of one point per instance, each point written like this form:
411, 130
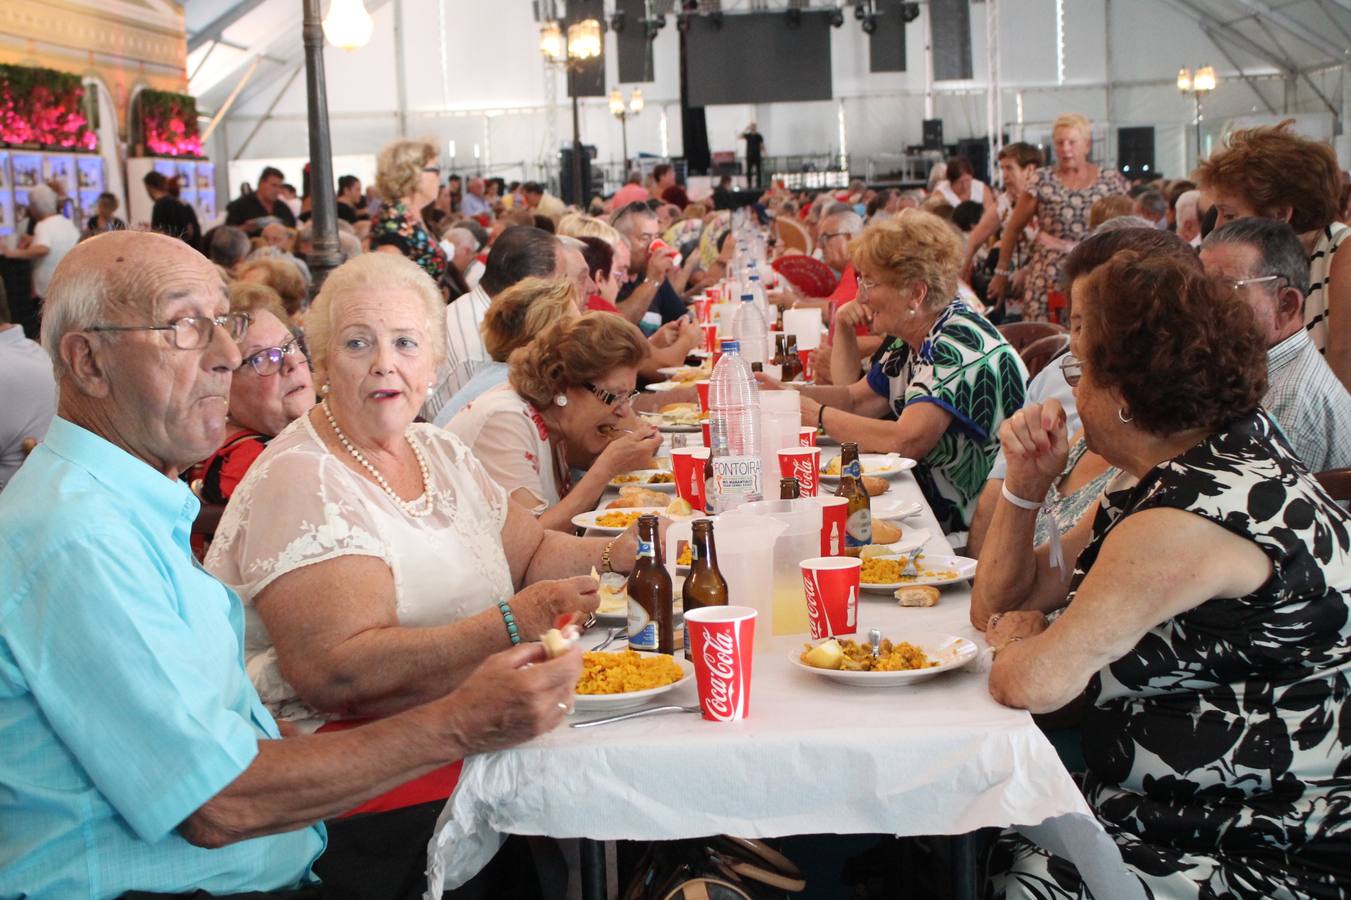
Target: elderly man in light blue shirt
1263, 261
134, 752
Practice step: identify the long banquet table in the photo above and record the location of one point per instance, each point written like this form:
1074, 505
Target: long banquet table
937, 758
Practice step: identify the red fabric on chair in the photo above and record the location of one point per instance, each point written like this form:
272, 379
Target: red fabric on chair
435, 785
810, 276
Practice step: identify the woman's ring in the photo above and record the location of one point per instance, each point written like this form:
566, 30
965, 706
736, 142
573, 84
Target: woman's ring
994, 621
563, 706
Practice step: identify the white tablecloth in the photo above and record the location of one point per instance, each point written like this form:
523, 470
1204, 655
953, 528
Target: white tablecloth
814, 756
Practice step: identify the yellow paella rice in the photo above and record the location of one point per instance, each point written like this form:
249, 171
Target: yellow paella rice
625, 672
617, 519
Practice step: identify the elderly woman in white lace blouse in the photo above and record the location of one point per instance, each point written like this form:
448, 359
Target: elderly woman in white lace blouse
377, 561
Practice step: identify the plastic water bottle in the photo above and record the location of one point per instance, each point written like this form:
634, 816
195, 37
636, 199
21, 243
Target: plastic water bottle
734, 428
756, 289
752, 334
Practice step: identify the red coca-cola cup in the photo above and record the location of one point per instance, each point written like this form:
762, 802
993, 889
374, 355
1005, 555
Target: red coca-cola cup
808, 373
707, 429
710, 336
830, 584
804, 464
703, 311
722, 639
807, 436
834, 517
660, 246
701, 388
687, 464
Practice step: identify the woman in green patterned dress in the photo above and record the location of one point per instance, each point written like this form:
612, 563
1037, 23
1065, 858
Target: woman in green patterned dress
946, 375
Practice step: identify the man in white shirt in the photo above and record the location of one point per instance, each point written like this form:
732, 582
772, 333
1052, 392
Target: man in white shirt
474, 203
1264, 263
29, 389
520, 252
53, 236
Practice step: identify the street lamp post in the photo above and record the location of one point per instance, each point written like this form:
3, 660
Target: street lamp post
1198, 84
622, 111
571, 51
348, 26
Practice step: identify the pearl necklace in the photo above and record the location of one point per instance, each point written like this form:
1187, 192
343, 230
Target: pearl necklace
420, 507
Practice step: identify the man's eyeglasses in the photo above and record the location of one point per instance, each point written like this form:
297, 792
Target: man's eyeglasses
1235, 284
268, 360
830, 235
1072, 369
608, 398
191, 332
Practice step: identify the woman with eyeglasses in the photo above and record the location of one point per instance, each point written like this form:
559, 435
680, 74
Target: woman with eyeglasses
408, 178
566, 406
271, 389
945, 373
1206, 631
378, 561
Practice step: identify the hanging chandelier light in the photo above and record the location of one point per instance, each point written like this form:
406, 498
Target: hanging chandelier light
551, 42
584, 41
348, 25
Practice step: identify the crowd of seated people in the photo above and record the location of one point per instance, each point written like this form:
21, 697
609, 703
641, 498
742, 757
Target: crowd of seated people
467, 380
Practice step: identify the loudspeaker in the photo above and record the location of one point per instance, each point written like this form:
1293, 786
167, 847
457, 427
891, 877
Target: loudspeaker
1135, 151
977, 152
933, 134
569, 194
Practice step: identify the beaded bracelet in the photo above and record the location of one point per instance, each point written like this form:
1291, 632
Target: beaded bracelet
512, 631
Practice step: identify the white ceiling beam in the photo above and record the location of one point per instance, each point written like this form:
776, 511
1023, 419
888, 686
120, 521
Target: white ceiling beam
1211, 26
217, 26
1294, 28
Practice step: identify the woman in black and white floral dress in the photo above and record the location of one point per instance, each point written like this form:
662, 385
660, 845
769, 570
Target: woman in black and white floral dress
1209, 620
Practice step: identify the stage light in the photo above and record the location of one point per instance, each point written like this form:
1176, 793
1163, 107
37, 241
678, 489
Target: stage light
836, 17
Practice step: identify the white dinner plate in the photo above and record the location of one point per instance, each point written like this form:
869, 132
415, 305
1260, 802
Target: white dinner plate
664, 424
617, 702
672, 371
642, 482
964, 567
663, 386
948, 650
588, 519
884, 507
880, 465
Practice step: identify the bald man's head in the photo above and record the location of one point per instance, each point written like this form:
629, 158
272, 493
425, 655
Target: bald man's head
128, 322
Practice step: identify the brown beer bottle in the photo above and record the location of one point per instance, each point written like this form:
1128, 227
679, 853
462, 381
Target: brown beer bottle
651, 619
704, 586
789, 489
858, 528
792, 361
781, 353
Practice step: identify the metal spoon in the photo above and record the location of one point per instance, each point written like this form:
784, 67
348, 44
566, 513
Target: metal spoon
875, 640
610, 638
656, 710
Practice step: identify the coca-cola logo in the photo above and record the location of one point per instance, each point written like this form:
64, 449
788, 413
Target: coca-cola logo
804, 470
813, 606
719, 658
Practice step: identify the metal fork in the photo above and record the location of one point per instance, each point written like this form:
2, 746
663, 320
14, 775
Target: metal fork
654, 711
610, 638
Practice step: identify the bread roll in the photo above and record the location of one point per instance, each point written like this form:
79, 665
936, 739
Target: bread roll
920, 595
874, 485
885, 532
632, 497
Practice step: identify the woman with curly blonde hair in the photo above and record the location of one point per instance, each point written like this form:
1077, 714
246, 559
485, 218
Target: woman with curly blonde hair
408, 178
1276, 174
566, 405
946, 374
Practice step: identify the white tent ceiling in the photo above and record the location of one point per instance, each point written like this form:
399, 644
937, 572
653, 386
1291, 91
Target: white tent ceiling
467, 71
